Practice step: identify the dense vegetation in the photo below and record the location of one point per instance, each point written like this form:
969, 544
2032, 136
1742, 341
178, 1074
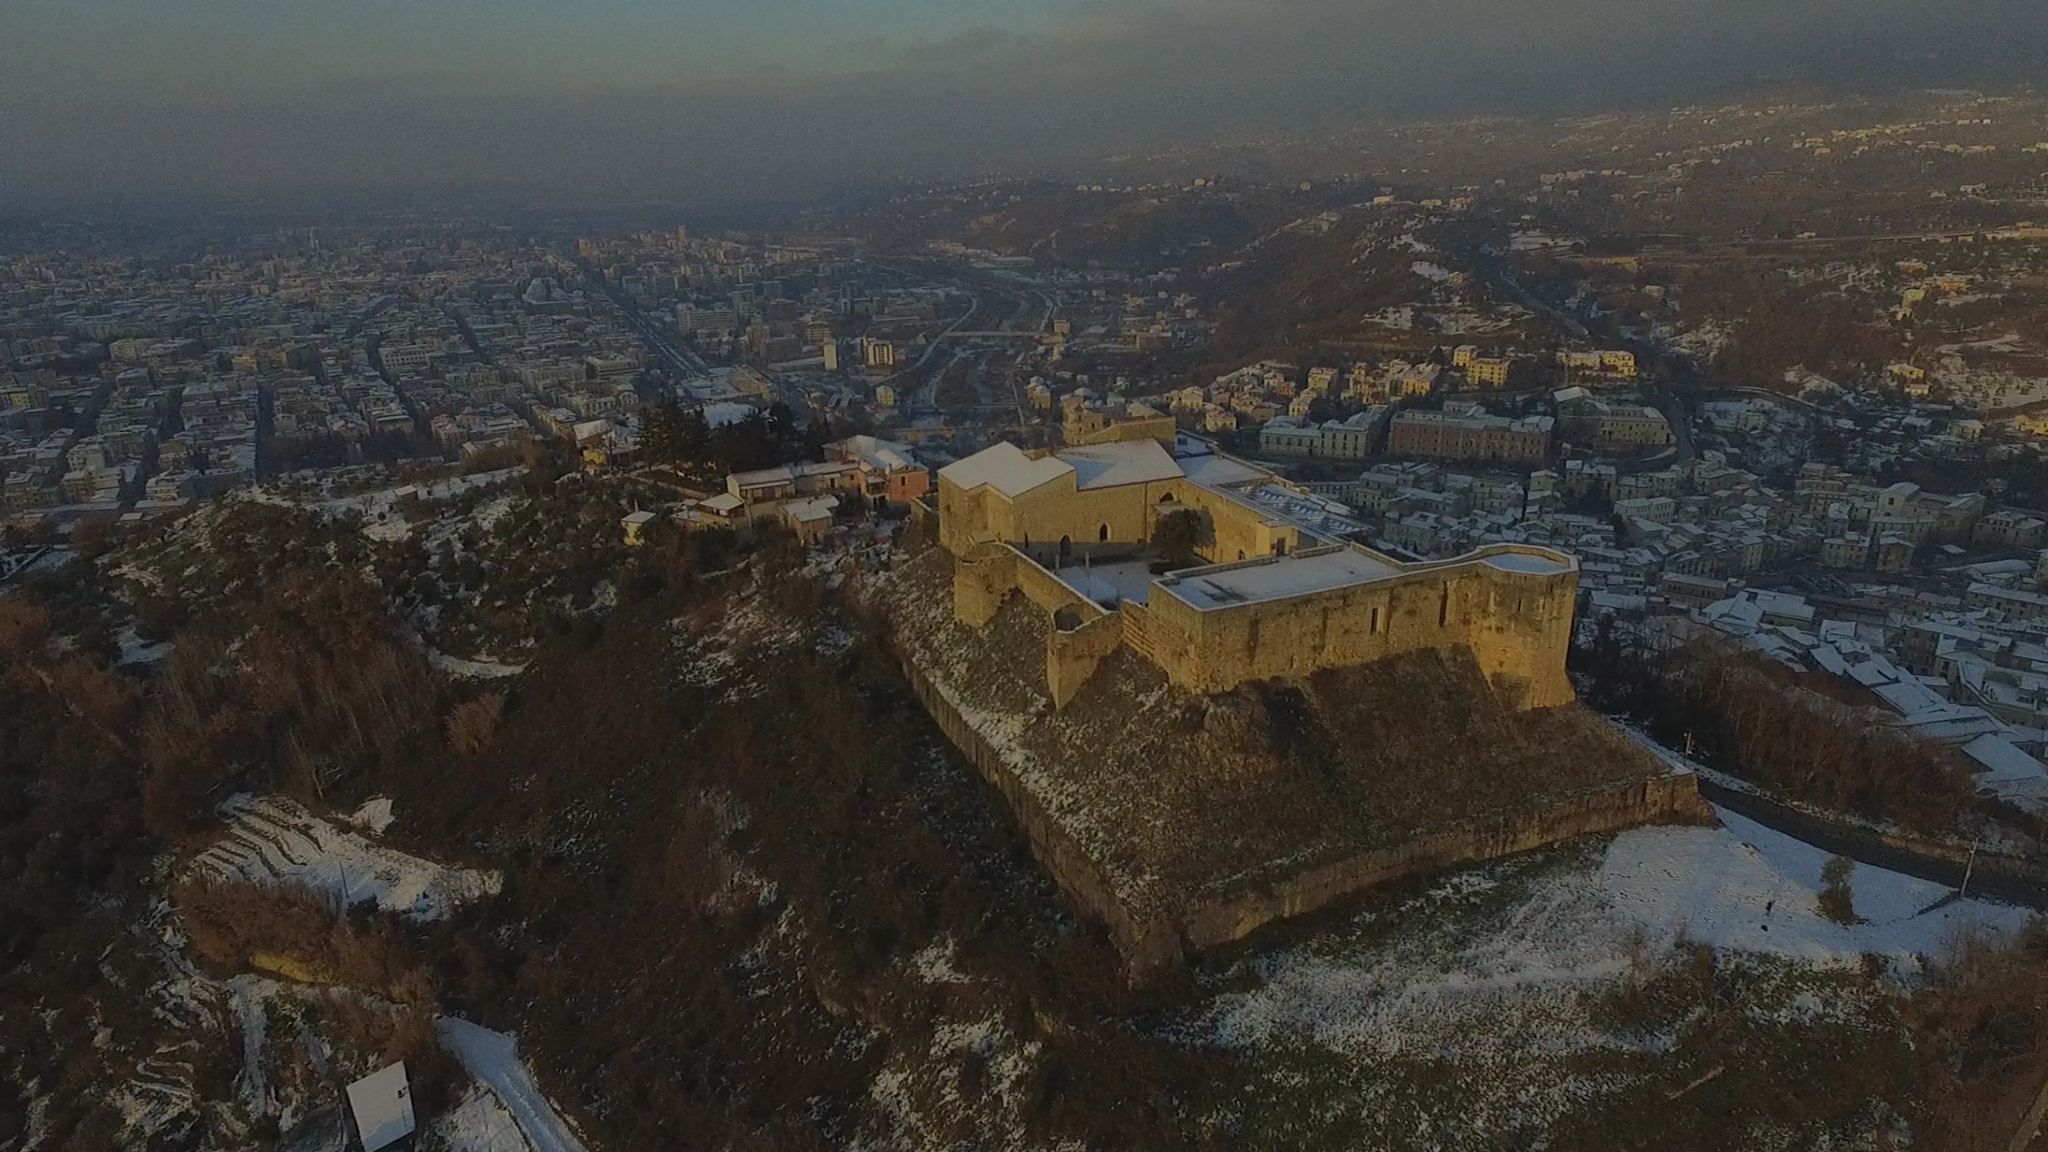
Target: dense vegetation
746, 879
1745, 715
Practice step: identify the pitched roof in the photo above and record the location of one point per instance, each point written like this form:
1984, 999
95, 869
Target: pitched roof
1005, 467
1117, 464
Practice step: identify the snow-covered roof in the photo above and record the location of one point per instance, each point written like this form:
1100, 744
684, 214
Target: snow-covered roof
1118, 464
1278, 578
2003, 761
1214, 471
1528, 562
811, 508
1006, 468
720, 415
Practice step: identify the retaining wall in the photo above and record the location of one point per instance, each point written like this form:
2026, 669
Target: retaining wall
1154, 941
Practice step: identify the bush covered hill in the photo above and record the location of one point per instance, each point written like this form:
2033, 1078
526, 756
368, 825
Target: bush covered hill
750, 898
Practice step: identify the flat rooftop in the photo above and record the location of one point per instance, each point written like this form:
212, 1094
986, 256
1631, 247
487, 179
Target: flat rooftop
1320, 570
1277, 578
1110, 584
1527, 562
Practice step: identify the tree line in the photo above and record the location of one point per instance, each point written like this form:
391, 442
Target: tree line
1751, 717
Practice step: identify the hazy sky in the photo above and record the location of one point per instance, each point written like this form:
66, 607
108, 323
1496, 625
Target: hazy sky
711, 97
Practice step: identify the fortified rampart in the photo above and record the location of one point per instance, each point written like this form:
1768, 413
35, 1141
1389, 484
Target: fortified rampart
1057, 509
1154, 940
1515, 618
1267, 608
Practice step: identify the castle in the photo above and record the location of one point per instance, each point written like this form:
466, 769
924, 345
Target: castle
1269, 593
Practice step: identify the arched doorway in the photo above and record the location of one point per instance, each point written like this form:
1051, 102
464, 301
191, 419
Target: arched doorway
1102, 534
1066, 549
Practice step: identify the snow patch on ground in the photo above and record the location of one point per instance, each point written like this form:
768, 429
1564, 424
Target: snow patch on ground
493, 1058
1704, 342
463, 669
750, 631
275, 841
374, 816
1450, 976
934, 963
1426, 995
136, 650
394, 527
479, 1123
1749, 888
246, 993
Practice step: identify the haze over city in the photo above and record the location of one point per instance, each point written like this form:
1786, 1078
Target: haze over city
1053, 576
710, 98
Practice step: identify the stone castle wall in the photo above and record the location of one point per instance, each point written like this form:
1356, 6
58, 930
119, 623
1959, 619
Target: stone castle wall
1095, 429
1147, 943
1518, 625
1612, 808
1153, 941
1126, 514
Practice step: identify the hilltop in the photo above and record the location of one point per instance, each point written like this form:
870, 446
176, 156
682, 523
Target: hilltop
1182, 805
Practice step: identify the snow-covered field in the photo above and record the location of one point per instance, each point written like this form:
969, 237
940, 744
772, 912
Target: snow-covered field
272, 840
479, 1123
1494, 973
1749, 888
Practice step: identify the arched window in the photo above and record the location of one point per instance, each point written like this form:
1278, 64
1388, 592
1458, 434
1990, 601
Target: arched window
1443, 608
1168, 499
1066, 548
1103, 534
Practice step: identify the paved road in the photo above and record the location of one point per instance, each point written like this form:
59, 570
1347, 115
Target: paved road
493, 1058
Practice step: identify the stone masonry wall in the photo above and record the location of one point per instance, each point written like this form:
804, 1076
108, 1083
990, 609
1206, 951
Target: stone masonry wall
1155, 941
1148, 943
1666, 799
1517, 624
1125, 514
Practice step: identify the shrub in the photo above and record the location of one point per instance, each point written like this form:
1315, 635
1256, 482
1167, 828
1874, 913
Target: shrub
473, 723
1837, 900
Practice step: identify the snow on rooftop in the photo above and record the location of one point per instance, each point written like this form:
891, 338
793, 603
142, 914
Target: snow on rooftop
1006, 468
722, 415
1217, 471
1115, 465
2002, 760
1528, 562
1110, 584
1278, 578
811, 508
